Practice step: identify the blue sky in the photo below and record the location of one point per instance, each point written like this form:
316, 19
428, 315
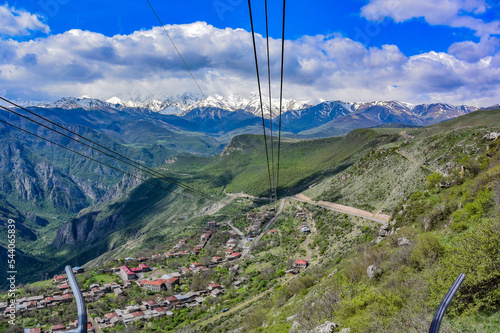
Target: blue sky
416, 51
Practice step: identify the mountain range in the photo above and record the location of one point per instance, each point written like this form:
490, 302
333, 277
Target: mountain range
240, 115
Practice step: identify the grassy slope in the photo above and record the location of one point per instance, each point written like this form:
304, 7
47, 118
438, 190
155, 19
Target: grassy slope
242, 166
451, 230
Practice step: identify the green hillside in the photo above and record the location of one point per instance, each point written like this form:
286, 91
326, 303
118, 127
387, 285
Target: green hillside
441, 185
242, 166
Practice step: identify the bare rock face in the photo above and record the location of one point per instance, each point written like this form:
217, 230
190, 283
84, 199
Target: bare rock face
372, 270
86, 230
492, 136
403, 241
326, 327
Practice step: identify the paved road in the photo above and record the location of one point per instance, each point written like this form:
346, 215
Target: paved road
257, 239
238, 231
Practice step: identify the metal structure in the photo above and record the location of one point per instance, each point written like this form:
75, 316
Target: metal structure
80, 303
438, 316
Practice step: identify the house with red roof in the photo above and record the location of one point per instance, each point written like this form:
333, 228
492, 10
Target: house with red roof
194, 265
59, 279
300, 263
152, 304
229, 252
172, 300
155, 286
234, 255
58, 327
171, 283
126, 273
138, 314
34, 330
212, 225
144, 267
111, 315
217, 259
49, 300
213, 286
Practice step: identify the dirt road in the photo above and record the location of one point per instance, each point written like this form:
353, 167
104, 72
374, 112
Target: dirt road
380, 218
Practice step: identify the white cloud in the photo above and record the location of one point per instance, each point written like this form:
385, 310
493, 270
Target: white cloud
454, 13
473, 52
144, 64
18, 22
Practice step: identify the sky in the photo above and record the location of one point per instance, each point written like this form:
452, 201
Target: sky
421, 51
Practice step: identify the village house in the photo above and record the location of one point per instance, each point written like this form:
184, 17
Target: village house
231, 244
35, 298
169, 255
213, 286
212, 225
33, 330
300, 263
78, 270
197, 250
138, 315
171, 300
206, 236
234, 255
63, 287
171, 283
194, 265
237, 283
58, 327
126, 273
151, 304
217, 260
216, 292
59, 279
182, 241
111, 315
144, 268
180, 254
154, 286
185, 270
229, 252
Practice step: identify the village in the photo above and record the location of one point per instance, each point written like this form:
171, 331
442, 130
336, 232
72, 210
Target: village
153, 277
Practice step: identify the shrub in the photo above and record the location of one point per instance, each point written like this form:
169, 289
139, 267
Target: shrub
427, 250
476, 253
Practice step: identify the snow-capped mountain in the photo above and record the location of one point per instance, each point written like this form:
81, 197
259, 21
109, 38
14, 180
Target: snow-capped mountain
180, 104
251, 104
243, 113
